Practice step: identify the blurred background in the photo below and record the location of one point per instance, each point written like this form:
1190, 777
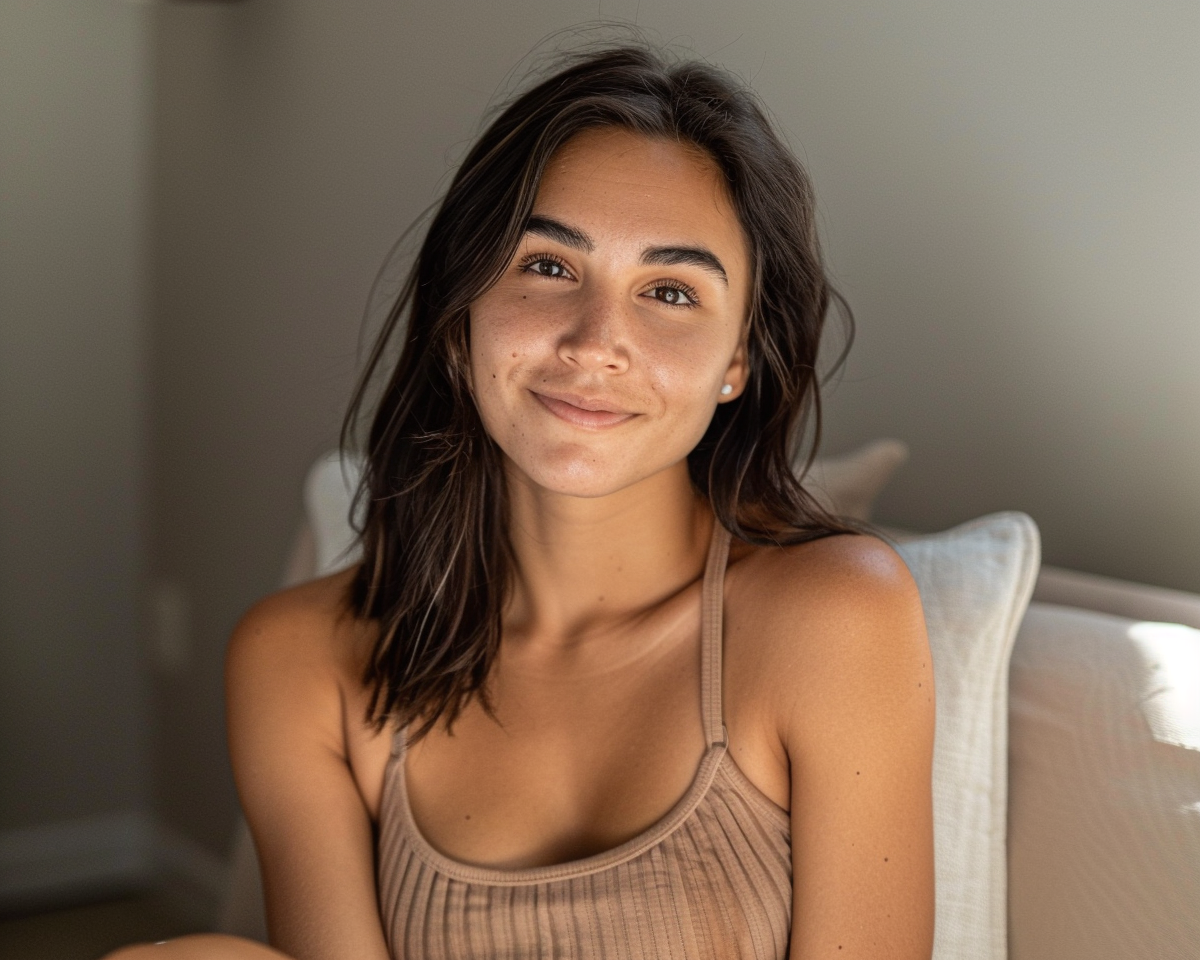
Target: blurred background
197, 196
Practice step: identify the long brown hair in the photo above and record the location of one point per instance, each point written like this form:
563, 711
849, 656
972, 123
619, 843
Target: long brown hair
437, 560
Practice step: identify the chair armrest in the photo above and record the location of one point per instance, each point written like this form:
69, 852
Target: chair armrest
1118, 598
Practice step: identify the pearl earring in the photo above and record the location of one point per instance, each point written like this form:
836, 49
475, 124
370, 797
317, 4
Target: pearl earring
727, 390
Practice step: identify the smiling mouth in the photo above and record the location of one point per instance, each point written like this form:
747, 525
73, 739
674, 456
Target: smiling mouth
581, 416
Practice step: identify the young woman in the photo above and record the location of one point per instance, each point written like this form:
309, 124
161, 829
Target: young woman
607, 682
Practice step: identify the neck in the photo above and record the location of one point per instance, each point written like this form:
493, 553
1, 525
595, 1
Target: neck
585, 564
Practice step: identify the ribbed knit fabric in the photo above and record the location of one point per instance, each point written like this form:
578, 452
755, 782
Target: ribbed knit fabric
711, 879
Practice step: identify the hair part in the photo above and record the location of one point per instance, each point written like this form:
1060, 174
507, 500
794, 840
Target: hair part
437, 560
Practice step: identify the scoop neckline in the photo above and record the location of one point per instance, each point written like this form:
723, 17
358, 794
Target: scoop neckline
456, 869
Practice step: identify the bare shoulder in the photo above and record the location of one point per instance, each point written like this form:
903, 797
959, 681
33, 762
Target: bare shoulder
293, 660
306, 626
829, 623
836, 580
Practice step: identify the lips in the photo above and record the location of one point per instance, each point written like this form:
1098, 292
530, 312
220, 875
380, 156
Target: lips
583, 411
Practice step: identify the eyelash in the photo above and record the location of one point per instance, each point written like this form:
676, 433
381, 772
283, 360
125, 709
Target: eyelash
526, 266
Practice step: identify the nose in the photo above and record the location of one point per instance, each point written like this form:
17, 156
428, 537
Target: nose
595, 340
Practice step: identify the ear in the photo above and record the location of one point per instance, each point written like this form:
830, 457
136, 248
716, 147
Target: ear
736, 374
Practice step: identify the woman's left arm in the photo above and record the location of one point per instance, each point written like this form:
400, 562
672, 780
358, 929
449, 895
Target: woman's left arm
857, 726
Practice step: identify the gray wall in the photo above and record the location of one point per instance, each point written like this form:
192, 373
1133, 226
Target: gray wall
74, 115
1009, 199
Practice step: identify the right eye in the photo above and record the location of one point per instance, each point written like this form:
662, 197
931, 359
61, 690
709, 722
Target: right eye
544, 265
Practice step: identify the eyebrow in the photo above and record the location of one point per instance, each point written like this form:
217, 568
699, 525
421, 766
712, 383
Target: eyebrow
558, 231
569, 236
693, 256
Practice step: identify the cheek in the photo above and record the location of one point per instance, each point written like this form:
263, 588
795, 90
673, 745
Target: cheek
487, 369
503, 345
685, 376
505, 331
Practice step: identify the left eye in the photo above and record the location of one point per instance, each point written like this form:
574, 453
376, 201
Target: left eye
673, 296
546, 268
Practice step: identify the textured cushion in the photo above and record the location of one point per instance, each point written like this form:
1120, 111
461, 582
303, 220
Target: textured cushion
849, 484
975, 581
1104, 801
328, 492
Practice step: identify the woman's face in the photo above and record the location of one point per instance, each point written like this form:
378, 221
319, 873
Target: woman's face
599, 356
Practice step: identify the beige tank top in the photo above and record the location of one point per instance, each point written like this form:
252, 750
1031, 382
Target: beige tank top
711, 879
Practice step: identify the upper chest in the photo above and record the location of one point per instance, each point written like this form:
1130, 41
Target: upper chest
582, 756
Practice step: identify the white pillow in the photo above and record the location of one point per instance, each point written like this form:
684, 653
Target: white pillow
975, 582
1104, 802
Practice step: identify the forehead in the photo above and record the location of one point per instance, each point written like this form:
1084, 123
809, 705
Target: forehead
618, 185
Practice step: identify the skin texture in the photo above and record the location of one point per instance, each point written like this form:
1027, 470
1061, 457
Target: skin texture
596, 380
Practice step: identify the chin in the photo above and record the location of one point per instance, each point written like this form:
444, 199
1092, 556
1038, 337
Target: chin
582, 483
584, 474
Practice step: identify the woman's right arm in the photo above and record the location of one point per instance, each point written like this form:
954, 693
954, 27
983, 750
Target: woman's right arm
283, 682
286, 718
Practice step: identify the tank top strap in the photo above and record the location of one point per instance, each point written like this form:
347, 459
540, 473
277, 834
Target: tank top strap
712, 596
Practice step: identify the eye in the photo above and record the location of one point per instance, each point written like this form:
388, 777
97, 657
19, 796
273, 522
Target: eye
675, 294
544, 265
